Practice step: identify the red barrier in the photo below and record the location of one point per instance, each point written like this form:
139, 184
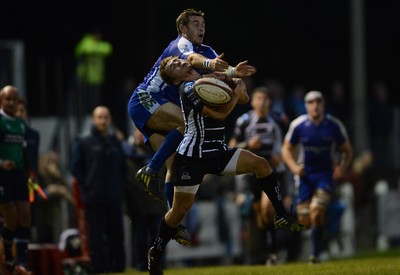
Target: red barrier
45, 259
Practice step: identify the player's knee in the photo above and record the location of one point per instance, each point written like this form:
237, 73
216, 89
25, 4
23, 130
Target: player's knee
319, 204
182, 207
320, 200
262, 167
303, 215
317, 216
176, 214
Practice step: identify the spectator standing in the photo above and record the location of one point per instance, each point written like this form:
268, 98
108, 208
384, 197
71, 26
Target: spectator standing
14, 196
315, 135
99, 164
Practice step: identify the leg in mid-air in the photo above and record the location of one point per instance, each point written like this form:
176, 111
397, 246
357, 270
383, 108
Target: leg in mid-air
168, 229
249, 162
164, 129
318, 206
265, 214
155, 120
152, 187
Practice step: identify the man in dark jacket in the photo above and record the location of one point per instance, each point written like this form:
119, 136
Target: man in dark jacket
99, 164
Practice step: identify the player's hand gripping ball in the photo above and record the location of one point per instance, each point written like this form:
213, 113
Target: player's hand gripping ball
214, 89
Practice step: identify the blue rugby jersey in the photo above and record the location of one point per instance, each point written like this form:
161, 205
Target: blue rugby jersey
317, 142
204, 136
182, 48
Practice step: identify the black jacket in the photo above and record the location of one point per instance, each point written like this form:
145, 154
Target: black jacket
99, 164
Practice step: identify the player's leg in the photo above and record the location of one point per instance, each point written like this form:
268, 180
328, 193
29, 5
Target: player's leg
268, 214
9, 212
168, 228
167, 118
181, 235
10, 216
21, 221
23, 234
183, 201
318, 206
154, 113
153, 188
151, 181
151, 114
248, 162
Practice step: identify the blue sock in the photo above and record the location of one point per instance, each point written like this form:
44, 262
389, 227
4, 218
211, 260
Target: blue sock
168, 147
316, 235
169, 192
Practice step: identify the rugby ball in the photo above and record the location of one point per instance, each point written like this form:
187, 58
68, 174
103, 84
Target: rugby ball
212, 91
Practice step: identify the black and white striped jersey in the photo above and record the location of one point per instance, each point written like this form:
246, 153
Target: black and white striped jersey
250, 124
204, 136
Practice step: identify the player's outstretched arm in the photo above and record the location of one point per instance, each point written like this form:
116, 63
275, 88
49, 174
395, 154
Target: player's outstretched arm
201, 62
244, 69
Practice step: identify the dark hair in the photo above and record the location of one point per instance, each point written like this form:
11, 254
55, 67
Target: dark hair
263, 90
164, 73
184, 17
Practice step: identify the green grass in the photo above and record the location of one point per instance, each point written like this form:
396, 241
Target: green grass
366, 263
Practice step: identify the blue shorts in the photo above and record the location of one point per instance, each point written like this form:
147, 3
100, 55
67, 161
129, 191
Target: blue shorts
13, 186
310, 183
141, 107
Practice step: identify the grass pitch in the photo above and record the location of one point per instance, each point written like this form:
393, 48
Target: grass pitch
370, 263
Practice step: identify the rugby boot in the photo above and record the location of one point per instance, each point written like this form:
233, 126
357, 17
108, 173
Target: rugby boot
181, 236
148, 177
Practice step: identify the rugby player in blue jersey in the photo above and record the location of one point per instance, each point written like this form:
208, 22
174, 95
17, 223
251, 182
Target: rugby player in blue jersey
308, 150
154, 105
203, 150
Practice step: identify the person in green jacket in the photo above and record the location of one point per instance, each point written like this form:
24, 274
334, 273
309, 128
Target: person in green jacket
14, 193
91, 52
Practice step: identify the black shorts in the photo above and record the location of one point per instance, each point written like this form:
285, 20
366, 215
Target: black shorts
13, 186
190, 171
